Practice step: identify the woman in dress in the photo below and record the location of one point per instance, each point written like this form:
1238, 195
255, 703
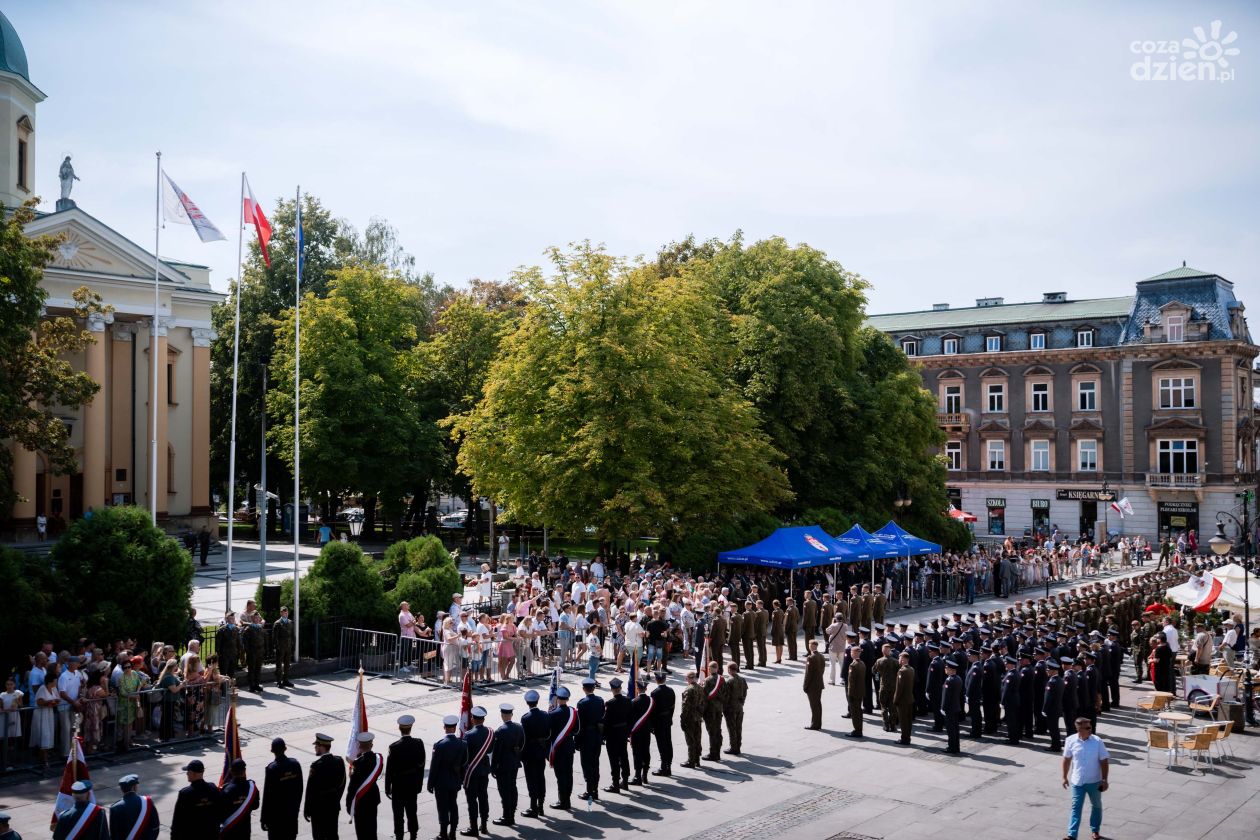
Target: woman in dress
450, 650
130, 684
507, 646
11, 716
194, 696
212, 692
44, 721
95, 710
168, 684
525, 648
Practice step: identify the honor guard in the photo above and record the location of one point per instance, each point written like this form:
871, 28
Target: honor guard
479, 741
663, 703
7, 833
1052, 704
404, 777
855, 691
446, 777
282, 794
537, 726
951, 704
325, 782
282, 635
692, 718
733, 711
590, 712
564, 726
641, 709
84, 820
134, 817
715, 693
616, 736
362, 795
240, 800
505, 762
197, 807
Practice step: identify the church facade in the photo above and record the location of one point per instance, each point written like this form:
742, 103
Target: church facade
112, 434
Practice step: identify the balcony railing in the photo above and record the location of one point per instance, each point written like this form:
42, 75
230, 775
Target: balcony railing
952, 419
1175, 481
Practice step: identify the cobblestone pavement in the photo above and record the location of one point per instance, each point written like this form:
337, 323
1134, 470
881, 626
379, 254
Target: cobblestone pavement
788, 782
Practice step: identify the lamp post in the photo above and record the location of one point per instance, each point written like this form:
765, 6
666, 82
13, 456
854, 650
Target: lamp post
900, 505
356, 526
1222, 545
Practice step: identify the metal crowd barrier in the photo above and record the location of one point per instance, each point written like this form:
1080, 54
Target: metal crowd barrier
374, 651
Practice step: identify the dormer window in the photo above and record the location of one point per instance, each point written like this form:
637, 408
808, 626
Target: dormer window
910, 347
949, 346
1037, 341
1174, 328
993, 344
1085, 338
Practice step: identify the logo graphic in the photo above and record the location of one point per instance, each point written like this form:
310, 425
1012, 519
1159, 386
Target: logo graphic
1203, 58
812, 540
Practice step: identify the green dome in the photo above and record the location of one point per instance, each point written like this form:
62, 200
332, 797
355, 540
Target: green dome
12, 54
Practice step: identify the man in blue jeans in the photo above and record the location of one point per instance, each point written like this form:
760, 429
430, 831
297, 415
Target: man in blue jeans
1085, 769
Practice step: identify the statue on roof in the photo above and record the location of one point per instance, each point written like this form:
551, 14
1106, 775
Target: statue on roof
67, 178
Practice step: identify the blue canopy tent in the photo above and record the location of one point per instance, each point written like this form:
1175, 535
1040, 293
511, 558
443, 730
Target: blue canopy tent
910, 544
793, 548
868, 546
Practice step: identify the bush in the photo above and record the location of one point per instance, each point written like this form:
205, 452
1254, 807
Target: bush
122, 576
423, 574
342, 583
33, 612
411, 555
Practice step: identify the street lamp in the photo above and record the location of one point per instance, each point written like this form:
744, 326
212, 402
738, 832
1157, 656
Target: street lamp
1222, 545
356, 527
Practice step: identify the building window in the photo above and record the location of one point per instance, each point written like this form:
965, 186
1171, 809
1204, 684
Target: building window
1175, 328
953, 399
953, 455
1041, 396
1041, 456
1037, 341
997, 398
910, 347
950, 347
170, 469
1084, 338
992, 343
997, 454
1176, 392
1087, 396
1087, 455
170, 383
21, 165
1178, 456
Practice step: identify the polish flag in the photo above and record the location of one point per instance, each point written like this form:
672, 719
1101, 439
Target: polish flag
465, 704
76, 768
1198, 593
253, 215
358, 721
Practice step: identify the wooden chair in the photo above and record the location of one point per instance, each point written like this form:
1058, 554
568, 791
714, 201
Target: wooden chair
1210, 708
1199, 745
1151, 707
1221, 733
1158, 739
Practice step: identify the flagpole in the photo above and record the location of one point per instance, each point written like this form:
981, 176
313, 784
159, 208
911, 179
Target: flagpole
297, 412
236, 358
153, 354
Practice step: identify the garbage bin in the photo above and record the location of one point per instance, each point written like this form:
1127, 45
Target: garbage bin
1234, 711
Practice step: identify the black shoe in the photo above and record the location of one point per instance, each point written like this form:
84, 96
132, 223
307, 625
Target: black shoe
814, 728
661, 772
712, 757
853, 734
485, 829
471, 831
690, 766
561, 806
504, 821
637, 780
613, 789
530, 813
847, 717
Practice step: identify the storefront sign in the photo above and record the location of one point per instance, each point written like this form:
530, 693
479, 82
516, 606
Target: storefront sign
1179, 507
1085, 495
995, 503
1041, 504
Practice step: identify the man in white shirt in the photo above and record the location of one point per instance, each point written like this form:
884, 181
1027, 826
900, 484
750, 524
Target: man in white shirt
1202, 650
1227, 644
597, 570
1170, 633
194, 649
69, 685
1085, 768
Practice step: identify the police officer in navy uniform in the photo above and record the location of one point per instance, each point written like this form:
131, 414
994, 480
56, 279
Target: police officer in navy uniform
282, 794
325, 782
131, 810
362, 795
1069, 693
505, 762
404, 777
196, 814
1027, 694
7, 833
240, 800
477, 777
663, 702
973, 685
561, 750
446, 777
96, 824
641, 739
1052, 704
616, 737
1011, 712
951, 704
590, 711
537, 726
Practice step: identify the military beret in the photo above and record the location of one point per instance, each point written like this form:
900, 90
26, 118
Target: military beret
366, 737
589, 683
129, 780
531, 696
195, 766
562, 693
615, 682
450, 720
321, 738
661, 676
406, 720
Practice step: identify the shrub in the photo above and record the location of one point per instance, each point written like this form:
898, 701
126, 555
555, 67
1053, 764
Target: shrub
423, 574
32, 612
342, 583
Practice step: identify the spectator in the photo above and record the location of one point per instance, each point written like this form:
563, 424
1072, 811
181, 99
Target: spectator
406, 621
1085, 769
168, 684
1202, 652
450, 649
192, 629
194, 690
10, 717
44, 719
193, 653
130, 684
95, 711
1229, 644
69, 688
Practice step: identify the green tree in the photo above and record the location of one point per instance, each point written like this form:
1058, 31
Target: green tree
123, 576
34, 611
36, 375
369, 418
610, 407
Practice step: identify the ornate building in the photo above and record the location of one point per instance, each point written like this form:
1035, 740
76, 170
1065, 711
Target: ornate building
112, 433
1054, 409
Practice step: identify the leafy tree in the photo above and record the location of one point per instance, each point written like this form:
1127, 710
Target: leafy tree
35, 370
33, 611
123, 576
697, 551
610, 407
368, 415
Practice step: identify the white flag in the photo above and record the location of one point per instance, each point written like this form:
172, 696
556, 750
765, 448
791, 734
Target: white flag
179, 208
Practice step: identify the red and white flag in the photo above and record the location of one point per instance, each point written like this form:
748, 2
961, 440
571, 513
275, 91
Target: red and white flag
1198, 593
252, 214
358, 721
1123, 507
76, 769
465, 704
179, 208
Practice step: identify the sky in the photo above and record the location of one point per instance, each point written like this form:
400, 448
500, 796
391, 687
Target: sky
944, 151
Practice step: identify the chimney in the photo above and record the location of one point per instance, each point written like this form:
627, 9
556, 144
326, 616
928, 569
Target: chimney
940, 307
1054, 297
994, 301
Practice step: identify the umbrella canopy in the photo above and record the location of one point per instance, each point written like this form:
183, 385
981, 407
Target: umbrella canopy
1236, 587
790, 548
866, 546
1198, 593
910, 544
961, 515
